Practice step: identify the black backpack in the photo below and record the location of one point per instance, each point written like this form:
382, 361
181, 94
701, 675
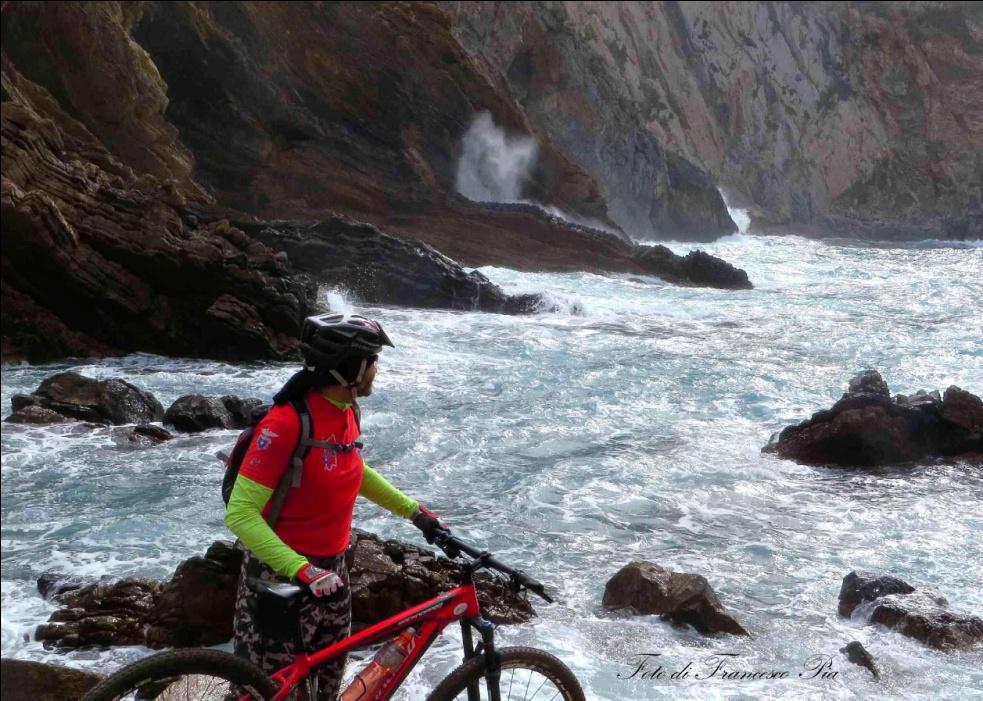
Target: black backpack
295, 471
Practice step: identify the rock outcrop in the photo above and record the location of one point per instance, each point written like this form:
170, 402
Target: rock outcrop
38, 681
99, 257
683, 599
133, 133
855, 119
76, 397
382, 269
868, 428
918, 613
858, 655
196, 606
193, 413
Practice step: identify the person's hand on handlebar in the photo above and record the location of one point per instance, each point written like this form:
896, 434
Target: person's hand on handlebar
320, 581
429, 523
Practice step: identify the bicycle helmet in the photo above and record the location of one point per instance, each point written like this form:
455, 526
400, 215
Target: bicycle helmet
329, 340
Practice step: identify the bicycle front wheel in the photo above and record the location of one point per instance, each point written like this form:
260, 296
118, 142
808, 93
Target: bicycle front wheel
527, 674
188, 675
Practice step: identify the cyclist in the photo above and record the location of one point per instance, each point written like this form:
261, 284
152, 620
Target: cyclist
307, 542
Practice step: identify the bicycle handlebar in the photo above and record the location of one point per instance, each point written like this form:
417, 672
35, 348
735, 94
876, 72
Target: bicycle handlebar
453, 547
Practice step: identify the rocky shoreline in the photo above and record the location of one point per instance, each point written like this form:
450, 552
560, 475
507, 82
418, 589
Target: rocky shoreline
869, 428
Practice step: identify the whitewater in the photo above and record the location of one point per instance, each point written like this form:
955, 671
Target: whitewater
626, 426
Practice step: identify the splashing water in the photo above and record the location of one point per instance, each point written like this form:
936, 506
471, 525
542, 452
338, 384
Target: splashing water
493, 166
572, 443
740, 216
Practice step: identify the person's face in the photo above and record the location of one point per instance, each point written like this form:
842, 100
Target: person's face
365, 388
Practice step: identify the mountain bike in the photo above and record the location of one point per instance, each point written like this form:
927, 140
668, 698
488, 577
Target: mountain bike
487, 672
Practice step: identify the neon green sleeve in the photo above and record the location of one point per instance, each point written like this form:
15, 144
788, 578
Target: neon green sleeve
244, 517
376, 488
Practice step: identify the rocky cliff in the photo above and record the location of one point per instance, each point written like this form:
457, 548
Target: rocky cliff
859, 119
134, 133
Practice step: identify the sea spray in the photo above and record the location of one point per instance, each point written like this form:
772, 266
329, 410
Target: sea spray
494, 166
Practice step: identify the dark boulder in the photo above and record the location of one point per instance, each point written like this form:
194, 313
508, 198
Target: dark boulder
138, 437
921, 614
859, 587
677, 597
196, 606
193, 413
866, 428
37, 681
868, 382
111, 401
858, 655
36, 414
696, 268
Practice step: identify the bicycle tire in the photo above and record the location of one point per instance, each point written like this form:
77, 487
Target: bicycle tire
155, 671
528, 658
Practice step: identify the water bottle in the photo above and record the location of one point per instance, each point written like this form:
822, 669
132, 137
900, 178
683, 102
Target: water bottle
381, 668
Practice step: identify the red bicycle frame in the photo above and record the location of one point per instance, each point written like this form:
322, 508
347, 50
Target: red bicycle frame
429, 618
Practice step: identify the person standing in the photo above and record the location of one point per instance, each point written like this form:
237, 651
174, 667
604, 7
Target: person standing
310, 532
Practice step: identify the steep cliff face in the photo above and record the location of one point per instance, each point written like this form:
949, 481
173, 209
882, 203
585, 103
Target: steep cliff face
838, 118
134, 132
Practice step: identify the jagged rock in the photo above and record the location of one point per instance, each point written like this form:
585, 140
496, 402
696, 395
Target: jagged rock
196, 606
867, 428
921, 614
142, 436
389, 270
193, 412
112, 401
868, 382
697, 268
677, 597
858, 655
101, 614
38, 681
861, 587
35, 414
97, 256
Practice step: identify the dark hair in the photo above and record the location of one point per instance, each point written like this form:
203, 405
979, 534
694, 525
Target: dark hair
304, 380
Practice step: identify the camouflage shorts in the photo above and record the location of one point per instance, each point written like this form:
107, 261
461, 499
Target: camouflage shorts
265, 631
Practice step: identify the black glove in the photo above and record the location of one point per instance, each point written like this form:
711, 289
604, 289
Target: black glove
428, 522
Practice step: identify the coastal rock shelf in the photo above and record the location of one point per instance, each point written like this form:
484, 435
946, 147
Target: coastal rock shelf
195, 607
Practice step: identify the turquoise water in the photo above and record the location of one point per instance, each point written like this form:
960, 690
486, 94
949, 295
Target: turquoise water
627, 426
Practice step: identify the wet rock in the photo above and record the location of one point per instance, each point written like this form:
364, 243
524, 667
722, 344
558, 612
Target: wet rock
866, 428
922, 614
196, 606
101, 614
868, 382
858, 655
138, 437
696, 268
860, 587
37, 681
677, 597
82, 398
193, 413
37, 415
390, 270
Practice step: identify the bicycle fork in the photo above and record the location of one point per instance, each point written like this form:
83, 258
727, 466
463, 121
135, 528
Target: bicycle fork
493, 661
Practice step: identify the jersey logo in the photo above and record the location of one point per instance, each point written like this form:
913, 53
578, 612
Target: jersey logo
329, 457
265, 439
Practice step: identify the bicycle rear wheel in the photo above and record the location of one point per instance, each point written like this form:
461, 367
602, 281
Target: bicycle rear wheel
527, 674
185, 675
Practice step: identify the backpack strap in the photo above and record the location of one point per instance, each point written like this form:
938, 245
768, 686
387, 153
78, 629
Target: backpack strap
295, 470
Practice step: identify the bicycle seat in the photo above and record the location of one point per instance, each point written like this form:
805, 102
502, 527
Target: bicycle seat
281, 590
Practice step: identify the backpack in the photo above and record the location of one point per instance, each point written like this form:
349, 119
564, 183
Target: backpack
291, 478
